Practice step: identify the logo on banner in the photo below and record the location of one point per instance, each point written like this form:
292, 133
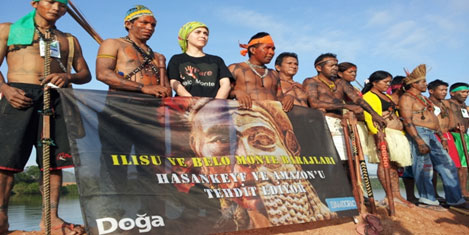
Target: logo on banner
143, 222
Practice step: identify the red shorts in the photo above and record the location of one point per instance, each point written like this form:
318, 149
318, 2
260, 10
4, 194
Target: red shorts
453, 151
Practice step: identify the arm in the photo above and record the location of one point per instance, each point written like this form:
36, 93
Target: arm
15, 97
238, 91
286, 100
405, 109
224, 90
179, 88
350, 92
105, 68
375, 104
81, 76
312, 90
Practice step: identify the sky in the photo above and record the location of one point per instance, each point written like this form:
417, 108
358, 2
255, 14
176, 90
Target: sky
374, 35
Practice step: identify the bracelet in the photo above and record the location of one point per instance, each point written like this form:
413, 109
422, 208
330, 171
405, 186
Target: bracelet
443, 139
140, 86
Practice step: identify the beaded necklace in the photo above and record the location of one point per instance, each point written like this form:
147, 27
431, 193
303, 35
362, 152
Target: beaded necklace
331, 85
425, 102
253, 66
392, 109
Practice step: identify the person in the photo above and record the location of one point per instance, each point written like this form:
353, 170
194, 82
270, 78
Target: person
459, 92
398, 147
286, 65
327, 94
348, 72
428, 153
264, 130
253, 80
438, 90
195, 73
23, 94
128, 63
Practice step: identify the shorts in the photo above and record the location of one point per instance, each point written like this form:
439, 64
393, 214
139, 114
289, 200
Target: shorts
453, 151
21, 129
459, 147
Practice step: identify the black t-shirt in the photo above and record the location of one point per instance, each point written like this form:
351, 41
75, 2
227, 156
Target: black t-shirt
200, 76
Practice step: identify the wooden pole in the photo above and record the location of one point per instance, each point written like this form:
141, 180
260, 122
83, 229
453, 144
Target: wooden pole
350, 164
46, 139
80, 19
382, 146
361, 158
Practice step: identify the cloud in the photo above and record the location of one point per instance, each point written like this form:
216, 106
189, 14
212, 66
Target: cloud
379, 18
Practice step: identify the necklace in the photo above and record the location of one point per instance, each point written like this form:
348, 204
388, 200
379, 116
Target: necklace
392, 108
331, 85
425, 102
444, 109
148, 57
253, 66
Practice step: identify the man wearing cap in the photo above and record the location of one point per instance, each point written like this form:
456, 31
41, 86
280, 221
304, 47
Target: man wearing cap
253, 80
128, 63
459, 92
428, 153
195, 73
21, 105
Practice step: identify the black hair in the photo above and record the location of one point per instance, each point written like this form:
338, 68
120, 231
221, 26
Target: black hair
282, 55
345, 65
458, 84
257, 35
375, 77
322, 56
434, 84
397, 80
131, 21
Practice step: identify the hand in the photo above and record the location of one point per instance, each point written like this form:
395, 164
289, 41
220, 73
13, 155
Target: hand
379, 121
16, 97
156, 90
444, 142
423, 147
244, 100
58, 79
287, 103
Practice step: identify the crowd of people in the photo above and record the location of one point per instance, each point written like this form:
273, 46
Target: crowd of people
422, 133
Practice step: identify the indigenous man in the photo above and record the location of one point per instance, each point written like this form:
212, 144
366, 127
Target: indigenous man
327, 93
459, 92
128, 63
253, 80
438, 90
428, 153
20, 122
286, 65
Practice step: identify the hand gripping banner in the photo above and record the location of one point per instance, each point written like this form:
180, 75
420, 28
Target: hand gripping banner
199, 165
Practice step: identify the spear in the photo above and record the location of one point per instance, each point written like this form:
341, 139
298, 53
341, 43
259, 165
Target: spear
78, 16
355, 189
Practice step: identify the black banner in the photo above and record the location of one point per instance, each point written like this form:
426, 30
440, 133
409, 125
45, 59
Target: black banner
198, 165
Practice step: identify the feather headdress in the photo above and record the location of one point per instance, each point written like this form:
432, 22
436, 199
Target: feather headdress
417, 74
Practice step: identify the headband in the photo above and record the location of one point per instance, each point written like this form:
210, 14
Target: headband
185, 31
266, 39
460, 88
137, 11
61, 1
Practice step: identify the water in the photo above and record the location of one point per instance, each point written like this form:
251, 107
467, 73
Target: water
24, 212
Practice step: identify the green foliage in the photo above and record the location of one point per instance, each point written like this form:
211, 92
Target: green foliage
29, 175
26, 188
71, 189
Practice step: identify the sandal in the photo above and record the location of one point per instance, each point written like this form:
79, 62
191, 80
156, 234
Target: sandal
432, 207
374, 222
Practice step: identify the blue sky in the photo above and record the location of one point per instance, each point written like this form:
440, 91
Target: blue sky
375, 35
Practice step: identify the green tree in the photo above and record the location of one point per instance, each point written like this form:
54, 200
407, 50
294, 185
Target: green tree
30, 175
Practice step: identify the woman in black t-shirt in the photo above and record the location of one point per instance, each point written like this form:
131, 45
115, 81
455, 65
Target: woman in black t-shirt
194, 73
